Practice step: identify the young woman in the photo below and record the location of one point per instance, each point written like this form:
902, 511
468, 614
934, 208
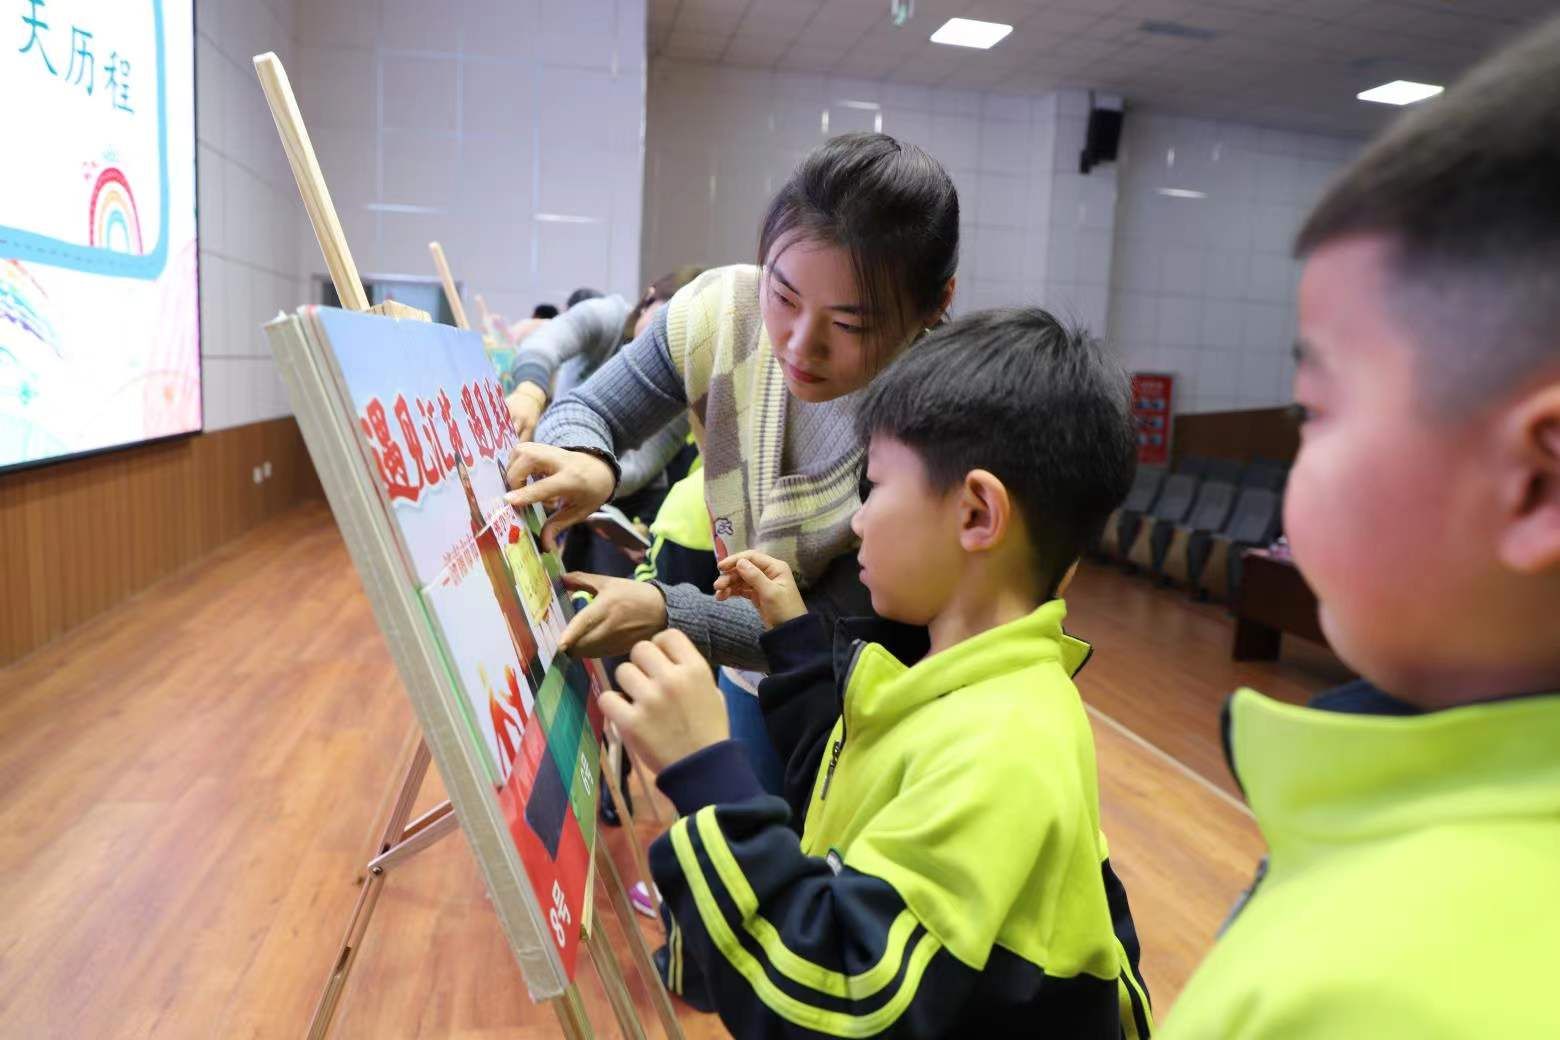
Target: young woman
858, 253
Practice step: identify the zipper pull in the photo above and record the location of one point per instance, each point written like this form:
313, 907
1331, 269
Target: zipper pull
834, 760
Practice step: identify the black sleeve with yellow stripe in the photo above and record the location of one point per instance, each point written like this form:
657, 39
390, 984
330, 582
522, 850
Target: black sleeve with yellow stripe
789, 945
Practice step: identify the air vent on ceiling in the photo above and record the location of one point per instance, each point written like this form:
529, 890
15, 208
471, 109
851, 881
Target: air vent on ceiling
1185, 32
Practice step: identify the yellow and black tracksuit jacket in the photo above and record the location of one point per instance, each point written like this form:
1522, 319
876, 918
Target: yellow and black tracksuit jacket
1412, 887
682, 544
951, 878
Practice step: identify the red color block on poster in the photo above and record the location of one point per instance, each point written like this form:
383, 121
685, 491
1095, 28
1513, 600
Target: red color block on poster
1153, 412
558, 881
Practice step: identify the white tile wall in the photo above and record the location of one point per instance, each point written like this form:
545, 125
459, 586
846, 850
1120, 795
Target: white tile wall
509, 130
460, 123
247, 209
1204, 287
721, 140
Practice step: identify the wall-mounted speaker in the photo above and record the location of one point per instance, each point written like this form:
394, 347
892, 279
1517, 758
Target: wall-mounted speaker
1102, 138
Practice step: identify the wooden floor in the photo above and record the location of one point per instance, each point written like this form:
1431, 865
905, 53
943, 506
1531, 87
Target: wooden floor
190, 781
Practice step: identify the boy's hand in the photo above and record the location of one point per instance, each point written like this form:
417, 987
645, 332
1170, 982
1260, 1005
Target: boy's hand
669, 706
763, 580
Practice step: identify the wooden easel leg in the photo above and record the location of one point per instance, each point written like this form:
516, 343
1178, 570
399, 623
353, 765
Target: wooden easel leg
601, 955
638, 951
428, 828
636, 772
411, 778
331, 996
571, 1014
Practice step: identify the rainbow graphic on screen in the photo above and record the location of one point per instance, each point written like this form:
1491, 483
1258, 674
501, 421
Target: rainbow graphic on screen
113, 222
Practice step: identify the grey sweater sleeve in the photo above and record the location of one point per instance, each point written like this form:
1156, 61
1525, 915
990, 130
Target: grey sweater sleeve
646, 462
589, 329
726, 633
636, 393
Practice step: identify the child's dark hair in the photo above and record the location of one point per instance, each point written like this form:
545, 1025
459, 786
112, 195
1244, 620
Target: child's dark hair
1042, 406
582, 294
1466, 191
891, 206
545, 310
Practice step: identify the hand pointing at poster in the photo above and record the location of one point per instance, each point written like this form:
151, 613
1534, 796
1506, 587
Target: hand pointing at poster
622, 613
578, 482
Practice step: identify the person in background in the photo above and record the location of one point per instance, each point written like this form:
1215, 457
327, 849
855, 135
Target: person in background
951, 878
564, 354
858, 254
580, 295
1413, 818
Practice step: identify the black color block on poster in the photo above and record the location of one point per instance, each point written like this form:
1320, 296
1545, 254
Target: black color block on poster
547, 806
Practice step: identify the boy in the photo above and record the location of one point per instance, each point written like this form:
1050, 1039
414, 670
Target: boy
951, 877
1414, 838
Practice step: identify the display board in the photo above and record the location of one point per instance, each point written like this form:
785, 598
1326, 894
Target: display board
1153, 412
99, 311
407, 426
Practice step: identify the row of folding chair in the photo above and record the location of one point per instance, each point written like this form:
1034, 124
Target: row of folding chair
1190, 526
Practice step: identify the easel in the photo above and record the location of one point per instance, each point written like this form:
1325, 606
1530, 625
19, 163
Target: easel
401, 840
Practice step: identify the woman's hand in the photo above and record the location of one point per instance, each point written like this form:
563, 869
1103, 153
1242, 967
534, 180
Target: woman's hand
577, 481
763, 580
622, 614
526, 405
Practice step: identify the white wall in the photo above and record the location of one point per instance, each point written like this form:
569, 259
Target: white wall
248, 206
721, 140
1205, 287
509, 130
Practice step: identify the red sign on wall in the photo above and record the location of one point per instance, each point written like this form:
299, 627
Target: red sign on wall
1153, 412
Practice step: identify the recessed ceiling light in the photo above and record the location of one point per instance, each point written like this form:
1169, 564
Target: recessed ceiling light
1182, 193
1400, 92
967, 32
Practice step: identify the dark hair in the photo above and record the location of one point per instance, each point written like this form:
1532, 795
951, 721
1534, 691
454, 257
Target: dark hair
1042, 406
1466, 191
545, 310
582, 294
661, 290
891, 206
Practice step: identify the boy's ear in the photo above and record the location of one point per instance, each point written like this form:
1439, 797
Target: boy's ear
985, 511
946, 301
1530, 502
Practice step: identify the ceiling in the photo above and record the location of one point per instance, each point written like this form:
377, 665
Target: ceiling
1289, 63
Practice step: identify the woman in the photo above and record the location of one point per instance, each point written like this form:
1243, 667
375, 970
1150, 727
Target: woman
858, 253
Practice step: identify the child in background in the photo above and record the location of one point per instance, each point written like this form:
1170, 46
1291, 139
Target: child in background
1414, 834
951, 878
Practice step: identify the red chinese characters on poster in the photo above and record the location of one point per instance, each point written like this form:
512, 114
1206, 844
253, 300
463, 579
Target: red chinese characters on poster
1154, 416
417, 442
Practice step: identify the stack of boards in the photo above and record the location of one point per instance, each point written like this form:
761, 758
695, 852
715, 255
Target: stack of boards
408, 429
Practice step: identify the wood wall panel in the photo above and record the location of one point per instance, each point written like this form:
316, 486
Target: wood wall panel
1269, 433
79, 537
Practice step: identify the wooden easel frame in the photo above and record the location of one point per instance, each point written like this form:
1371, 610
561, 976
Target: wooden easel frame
400, 840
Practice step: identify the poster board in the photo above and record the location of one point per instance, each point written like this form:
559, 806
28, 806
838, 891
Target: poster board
407, 427
1153, 414
99, 313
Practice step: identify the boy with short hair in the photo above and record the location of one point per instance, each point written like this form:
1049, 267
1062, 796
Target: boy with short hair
1411, 887
951, 878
